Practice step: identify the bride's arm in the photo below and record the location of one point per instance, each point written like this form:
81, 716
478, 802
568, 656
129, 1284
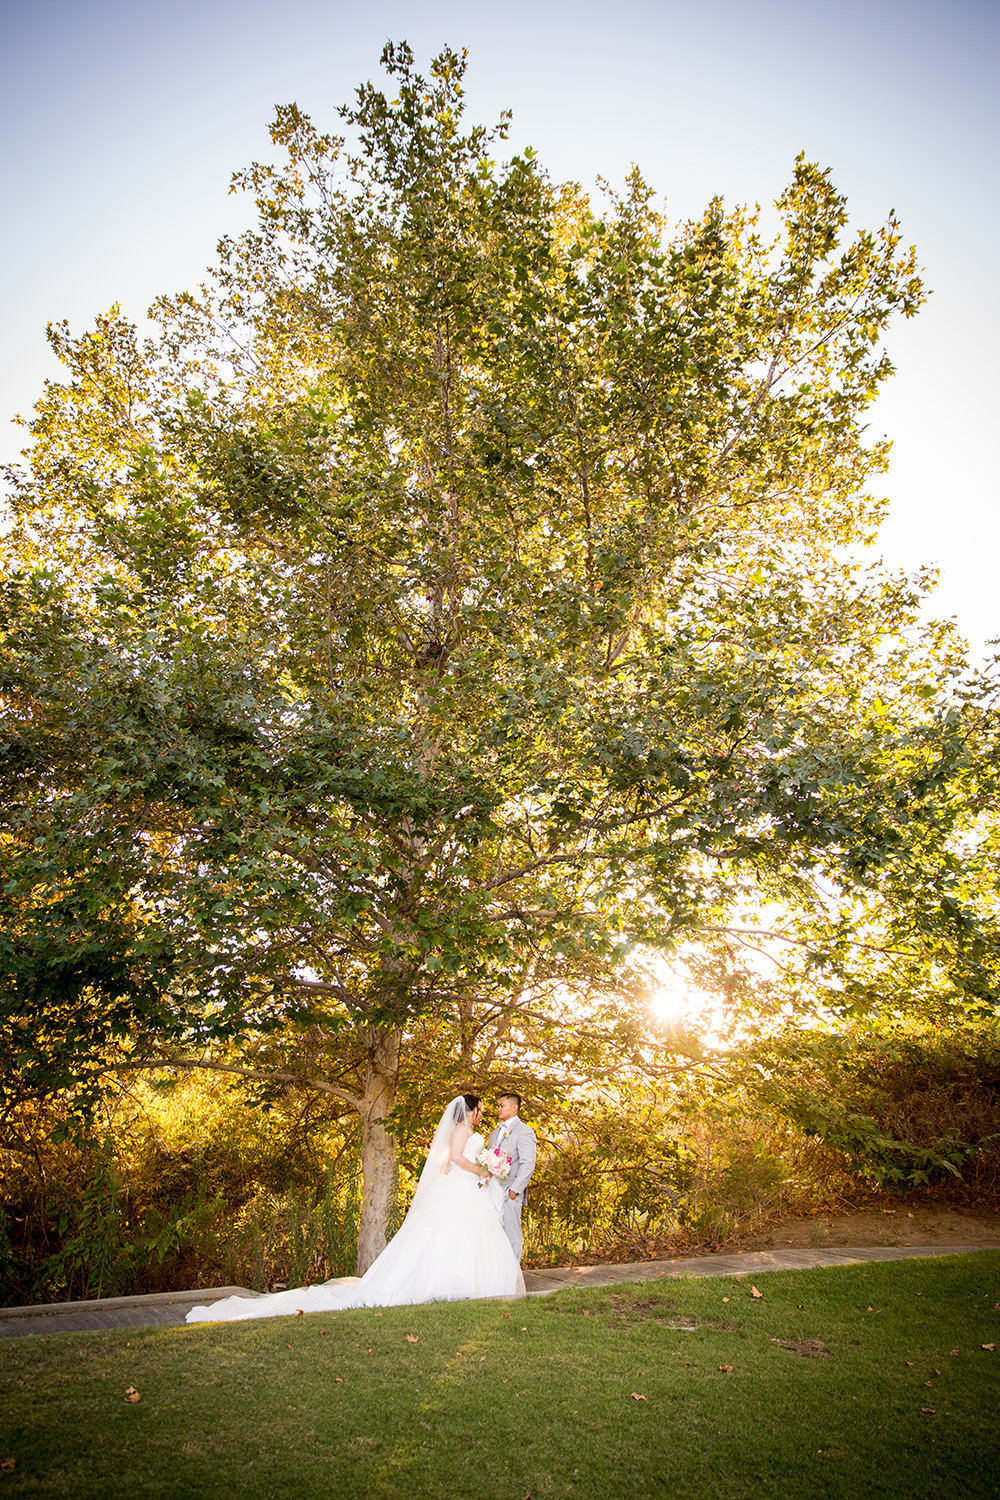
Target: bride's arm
458, 1140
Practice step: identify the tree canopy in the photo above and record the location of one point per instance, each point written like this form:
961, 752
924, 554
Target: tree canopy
458, 591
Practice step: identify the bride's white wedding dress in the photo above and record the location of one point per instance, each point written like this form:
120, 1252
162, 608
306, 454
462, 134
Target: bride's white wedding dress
451, 1246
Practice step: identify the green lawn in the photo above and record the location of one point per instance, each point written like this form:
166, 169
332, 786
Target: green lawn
827, 1395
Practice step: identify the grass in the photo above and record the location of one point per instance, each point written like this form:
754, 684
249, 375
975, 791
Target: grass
826, 1396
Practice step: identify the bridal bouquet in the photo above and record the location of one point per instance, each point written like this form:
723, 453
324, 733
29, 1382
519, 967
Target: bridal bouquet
495, 1162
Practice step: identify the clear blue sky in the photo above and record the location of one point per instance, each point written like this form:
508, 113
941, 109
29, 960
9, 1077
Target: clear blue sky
122, 121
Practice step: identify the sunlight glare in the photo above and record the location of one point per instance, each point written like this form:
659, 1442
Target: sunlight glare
671, 1001
676, 1003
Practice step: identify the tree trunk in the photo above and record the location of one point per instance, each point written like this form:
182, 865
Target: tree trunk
378, 1145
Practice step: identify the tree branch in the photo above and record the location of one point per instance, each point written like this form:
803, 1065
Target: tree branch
255, 1073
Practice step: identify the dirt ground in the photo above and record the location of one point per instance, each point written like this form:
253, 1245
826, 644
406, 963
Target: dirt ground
916, 1224
875, 1223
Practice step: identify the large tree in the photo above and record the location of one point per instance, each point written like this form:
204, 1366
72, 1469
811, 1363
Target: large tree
450, 595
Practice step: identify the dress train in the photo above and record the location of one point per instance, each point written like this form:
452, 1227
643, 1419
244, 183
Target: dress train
450, 1247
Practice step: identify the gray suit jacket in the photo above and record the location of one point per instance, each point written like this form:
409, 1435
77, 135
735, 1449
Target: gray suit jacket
520, 1147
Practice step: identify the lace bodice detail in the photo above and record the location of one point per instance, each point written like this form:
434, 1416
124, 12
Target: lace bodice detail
473, 1146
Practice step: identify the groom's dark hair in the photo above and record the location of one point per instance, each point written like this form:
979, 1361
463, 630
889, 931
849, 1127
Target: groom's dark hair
516, 1098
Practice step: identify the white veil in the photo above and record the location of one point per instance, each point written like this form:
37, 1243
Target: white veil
439, 1156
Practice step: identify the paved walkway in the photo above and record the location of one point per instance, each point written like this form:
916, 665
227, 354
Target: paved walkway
164, 1308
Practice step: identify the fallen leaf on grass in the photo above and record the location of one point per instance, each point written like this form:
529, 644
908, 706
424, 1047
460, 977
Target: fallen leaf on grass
725, 1299
338, 1380
687, 1364
637, 1397
369, 1351
927, 1382
727, 1368
909, 1364
952, 1353
132, 1395
990, 1347
754, 1292
412, 1338
8, 1463
929, 1410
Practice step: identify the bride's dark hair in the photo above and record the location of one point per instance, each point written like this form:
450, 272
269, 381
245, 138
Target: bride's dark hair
461, 1107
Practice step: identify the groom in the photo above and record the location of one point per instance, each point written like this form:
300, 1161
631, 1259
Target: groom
518, 1141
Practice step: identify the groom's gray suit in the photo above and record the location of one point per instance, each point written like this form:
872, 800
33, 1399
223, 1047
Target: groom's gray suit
518, 1140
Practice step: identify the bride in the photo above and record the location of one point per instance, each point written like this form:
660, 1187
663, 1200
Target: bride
450, 1246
